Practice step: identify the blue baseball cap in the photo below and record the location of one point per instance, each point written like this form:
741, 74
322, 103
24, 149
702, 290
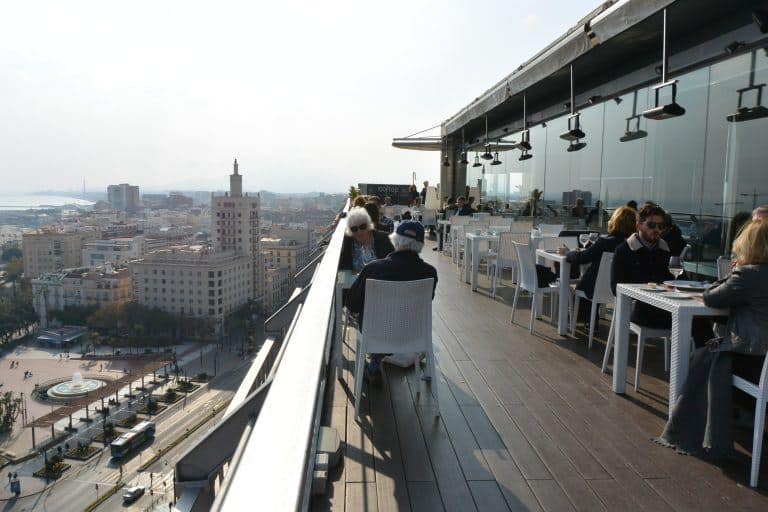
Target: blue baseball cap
411, 229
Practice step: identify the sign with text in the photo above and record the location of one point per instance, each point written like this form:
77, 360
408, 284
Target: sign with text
398, 193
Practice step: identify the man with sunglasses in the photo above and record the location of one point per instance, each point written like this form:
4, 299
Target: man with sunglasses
644, 258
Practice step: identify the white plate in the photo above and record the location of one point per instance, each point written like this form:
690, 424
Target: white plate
649, 289
677, 295
681, 284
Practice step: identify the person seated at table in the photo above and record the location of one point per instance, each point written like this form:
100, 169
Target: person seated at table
413, 194
700, 421
597, 216
643, 258
404, 264
579, 210
362, 243
462, 208
388, 225
673, 236
423, 193
359, 201
373, 211
632, 204
622, 224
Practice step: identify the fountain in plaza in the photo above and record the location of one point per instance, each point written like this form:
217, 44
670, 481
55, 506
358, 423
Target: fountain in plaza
74, 388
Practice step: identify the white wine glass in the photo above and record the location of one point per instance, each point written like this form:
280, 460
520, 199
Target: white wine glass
675, 267
593, 237
584, 240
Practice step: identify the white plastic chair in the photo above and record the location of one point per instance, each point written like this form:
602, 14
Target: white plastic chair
480, 215
723, 267
522, 226
643, 333
760, 394
527, 281
505, 257
602, 295
551, 229
429, 218
397, 319
551, 243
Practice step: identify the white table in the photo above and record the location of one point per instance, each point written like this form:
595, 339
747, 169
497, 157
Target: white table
542, 257
682, 311
472, 255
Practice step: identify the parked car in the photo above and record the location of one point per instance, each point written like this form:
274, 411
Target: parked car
133, 493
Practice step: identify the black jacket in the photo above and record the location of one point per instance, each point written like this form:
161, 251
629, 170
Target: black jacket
398, 266
674, 239
381, 246
635, 263
592, 255
466, 210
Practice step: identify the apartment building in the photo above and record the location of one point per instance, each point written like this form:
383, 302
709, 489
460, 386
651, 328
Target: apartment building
235, 227
124, 197
80, 287
193, 281
279, 253
51, 250
116, 251
278, 284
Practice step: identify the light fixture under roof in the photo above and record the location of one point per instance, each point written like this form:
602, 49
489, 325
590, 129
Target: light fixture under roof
749, 113
446, 160
576, 146
464, 160
574, 131
496, 160
633, 132
487, 155
525, 155
525, 135
660, 112
477, 161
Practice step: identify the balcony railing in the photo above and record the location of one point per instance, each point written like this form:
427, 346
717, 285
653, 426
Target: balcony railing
264, 447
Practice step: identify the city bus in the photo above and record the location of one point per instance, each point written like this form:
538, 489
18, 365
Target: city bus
127, 442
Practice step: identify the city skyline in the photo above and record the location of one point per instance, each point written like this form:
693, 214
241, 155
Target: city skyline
166, 100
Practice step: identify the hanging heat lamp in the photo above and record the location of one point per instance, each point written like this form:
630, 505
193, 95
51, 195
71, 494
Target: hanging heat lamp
487, 155
574, 131
660, 112
525, 135
446, 160
477, 161
749, 113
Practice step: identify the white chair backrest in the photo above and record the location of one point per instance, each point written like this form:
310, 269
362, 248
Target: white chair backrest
502, 221
685, 251
480, 215
723, 267
551, 229
429, 217
397, 315
603, 293
507, 254
527, 269
501, 228
458, 233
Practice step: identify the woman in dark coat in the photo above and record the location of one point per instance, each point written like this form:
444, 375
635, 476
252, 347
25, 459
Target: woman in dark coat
362, 243
622, 223
701, 420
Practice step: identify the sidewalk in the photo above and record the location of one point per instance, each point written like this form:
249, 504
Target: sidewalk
29, 485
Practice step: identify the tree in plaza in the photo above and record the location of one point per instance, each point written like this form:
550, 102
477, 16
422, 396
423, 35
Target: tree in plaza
12, 253
10, 407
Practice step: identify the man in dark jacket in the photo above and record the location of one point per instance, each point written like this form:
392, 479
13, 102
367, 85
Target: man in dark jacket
462, 208
404, 264
644, 258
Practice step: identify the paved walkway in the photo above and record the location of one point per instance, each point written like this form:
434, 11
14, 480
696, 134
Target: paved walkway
29, 485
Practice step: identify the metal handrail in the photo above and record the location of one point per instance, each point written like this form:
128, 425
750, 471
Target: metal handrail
277, 459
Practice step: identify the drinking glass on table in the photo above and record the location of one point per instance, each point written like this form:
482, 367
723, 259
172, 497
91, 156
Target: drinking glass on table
675, 266
593, 237
584, 240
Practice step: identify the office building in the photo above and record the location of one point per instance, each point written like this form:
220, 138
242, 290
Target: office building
51, 250
123, 197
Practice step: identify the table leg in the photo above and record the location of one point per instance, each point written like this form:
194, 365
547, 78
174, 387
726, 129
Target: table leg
475, 262
565, 292
680, 345
621, 342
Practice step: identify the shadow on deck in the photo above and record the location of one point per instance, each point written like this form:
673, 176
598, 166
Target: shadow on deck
527, 422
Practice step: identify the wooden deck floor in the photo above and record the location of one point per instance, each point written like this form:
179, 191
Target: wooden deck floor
527, 423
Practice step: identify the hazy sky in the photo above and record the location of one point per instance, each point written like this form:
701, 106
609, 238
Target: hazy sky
307, 95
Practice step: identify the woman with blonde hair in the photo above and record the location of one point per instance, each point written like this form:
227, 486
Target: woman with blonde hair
701, 420
621, 224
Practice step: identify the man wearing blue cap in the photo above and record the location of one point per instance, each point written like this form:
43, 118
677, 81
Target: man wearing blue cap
404, 264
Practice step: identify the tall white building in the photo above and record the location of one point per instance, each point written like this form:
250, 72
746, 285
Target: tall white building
123, 197
235, 227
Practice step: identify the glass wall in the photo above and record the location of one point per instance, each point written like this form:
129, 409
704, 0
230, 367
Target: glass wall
707, 171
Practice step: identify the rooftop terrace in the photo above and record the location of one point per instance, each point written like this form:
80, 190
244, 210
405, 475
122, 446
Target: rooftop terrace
527, 423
